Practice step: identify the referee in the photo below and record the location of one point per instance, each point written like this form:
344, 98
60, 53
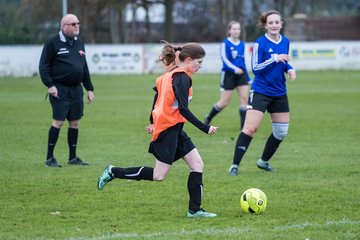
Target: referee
63, 70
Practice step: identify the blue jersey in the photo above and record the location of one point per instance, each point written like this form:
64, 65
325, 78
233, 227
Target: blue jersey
269, 74
232, 56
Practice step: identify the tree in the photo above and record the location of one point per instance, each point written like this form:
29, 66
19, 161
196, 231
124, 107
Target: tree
104, 21
169, 5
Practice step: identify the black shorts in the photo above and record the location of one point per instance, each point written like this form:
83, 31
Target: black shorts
69, 104
230, 80
171, 144
260, 102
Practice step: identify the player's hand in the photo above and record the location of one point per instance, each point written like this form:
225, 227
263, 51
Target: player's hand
283, 58
239, 71
90, 96
212, 130
150, 128
292, 75
53, 91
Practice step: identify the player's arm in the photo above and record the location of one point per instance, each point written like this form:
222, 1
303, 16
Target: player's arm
153, 105
290, 70
288, 67
181, 84
258, 65
150, 127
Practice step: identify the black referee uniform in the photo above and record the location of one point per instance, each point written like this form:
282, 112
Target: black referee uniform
63, 65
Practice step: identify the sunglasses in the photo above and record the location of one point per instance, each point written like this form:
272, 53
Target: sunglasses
73, 24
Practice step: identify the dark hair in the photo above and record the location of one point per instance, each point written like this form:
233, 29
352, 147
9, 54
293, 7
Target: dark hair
263, 17
192, 50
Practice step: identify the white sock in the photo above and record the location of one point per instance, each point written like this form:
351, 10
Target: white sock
234, 165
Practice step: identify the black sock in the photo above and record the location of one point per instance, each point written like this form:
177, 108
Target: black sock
242, 117
241, 147
72, 141
52, 139
270, 147
134, 173
195, 188
215, 110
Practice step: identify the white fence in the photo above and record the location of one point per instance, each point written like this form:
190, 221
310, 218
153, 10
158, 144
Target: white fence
142, 58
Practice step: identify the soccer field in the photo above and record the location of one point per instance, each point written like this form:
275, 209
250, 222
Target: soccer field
314, 194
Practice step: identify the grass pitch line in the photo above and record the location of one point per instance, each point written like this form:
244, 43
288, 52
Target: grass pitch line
327, 223
216, 231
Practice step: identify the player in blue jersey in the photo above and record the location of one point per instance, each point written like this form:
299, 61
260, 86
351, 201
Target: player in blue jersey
270, 60
233, 75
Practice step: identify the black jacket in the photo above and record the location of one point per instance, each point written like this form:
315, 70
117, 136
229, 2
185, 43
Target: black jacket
63, 61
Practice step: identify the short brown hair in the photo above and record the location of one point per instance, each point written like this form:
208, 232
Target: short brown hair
263, 17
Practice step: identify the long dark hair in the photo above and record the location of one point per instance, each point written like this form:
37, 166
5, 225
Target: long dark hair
192, 50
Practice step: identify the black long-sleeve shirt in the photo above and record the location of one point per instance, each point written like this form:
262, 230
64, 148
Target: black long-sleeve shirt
181, 84
63, 61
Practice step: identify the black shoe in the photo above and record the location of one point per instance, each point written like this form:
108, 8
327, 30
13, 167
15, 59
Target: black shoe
265, 166
233, 170
77, 161
51, 162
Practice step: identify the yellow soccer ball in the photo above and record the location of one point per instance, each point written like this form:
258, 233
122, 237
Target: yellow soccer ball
253, 200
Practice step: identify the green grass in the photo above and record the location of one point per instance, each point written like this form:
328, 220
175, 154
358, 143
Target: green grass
314, 195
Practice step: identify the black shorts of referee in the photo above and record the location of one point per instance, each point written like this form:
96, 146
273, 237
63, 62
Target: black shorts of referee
230, 80
69, 104
171, 144
263, 103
